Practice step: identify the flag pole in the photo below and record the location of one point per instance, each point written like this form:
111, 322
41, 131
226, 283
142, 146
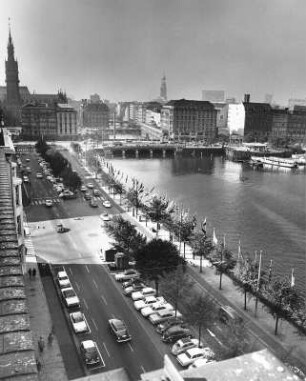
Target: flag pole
258, 281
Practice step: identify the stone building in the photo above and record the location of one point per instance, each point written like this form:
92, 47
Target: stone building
258, 121
94, 115
67, 122
39, 119
189, 120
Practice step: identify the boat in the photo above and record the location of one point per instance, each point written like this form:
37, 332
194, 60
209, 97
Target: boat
300, 159
273, 161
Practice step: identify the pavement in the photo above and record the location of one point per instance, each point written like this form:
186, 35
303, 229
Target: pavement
51, 363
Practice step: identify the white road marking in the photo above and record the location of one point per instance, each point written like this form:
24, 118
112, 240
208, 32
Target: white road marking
77, 285
69, 270
103, 299
94, 323
131, 348
87, 268
95, 283
106, 350
143, 369
215, 337
84, 301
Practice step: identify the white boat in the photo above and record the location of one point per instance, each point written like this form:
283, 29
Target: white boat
300, 159
278, 162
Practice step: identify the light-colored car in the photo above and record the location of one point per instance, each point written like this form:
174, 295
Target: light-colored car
188, 357
83, 188
127, 291
96, 192
147, 291
63, 280
120, 330
39, 175
91, 354
48, 203
162, 316
147, 301
70, 297
93, 203
183, 344
127, 275
89, 185
107, 204
105, 217
200, 362
25, 179
79, 322
155, 307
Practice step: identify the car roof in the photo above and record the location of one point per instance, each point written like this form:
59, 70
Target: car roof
195, 350
117, 323
88, 344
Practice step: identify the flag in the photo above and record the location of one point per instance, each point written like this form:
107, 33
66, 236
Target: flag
214, 238
270, 271
292, 278
239, 256
224, 240
259, 270
203, 226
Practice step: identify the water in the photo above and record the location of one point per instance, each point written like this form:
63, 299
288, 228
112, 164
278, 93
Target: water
265, 210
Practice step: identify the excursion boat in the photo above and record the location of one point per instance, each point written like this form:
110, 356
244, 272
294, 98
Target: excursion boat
300, 159
273, 161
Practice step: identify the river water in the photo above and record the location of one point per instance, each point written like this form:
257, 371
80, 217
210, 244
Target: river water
264, 210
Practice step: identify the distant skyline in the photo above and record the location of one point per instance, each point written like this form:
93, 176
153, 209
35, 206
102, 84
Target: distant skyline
120, 49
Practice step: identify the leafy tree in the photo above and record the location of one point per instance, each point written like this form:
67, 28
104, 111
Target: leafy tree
135, 194
126, 237
223, 259
156, 259
202, 247
176, 287
183, 228
200, 312
237, 341
118, 189
159, 210
282, 299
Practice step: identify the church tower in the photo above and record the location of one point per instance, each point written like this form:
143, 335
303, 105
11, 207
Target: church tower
163, 88
12, 78
12, 104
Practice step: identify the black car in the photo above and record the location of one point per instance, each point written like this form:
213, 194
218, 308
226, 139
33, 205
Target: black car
90, 353
173, 321
175, 333
119, 329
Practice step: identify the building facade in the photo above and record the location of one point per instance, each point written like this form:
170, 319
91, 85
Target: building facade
67, 122
258, 121
297, 125
235, 118
38, 119
94, 115
189, 120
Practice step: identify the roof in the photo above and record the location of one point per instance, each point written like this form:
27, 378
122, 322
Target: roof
17, 356
185, 103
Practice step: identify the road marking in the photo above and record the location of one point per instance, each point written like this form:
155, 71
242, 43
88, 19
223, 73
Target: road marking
70, 270
84, 301
143, 369
215, 337
95, 324
103, 299
87, 268
106, 349
131, 348
95, 283
78, 287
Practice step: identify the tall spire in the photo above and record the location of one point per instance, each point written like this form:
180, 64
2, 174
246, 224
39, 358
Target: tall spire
163, 88
10, 45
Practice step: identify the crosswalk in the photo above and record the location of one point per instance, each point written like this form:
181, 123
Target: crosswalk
29, 245
57, 200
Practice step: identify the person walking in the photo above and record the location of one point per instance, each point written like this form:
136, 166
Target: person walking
34, 273
50, 338
30, 272
41, 344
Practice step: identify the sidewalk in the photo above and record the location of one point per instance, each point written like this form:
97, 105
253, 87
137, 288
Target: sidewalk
50, 364
288, 341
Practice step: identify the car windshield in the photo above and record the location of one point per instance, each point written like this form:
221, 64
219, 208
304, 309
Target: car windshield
69, 293
77, 318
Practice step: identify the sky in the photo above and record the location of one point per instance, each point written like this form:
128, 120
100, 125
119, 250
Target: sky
120, 49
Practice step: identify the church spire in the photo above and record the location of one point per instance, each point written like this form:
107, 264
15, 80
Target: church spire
163, 88
10, 45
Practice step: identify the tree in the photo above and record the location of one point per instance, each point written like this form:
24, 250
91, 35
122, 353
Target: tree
176, 288
236, 339
156, 259
135, 193
200, 312
126, 237
183, 227
202, 247
282, 298
223, 259
159, 210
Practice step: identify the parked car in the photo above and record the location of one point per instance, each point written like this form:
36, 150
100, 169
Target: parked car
188, 357
90, 353
87, 196
96, 192
107, 204
147, 291
67, 195
161, 316
120, 330
93, 203
70, 298
131, 282
48, 202
63, 280
185, 343
175, 333
127, 291
155, 307
89, 185
105, 217
200, 362
79, 322
39, 175
171, 322
25, 179
126, 275
147, 301
227, 314
83, 188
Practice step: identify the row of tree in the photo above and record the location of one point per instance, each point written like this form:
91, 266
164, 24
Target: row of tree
60, 166
278, 294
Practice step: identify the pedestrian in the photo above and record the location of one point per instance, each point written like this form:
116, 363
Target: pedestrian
34, 273
30, 272
38, 364
41, 344
50, 338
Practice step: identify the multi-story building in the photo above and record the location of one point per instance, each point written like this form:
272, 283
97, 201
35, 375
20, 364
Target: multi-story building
297, 125
296, 102
94, 115
189, 120
280, 118
67, 126
235, 118
258, 121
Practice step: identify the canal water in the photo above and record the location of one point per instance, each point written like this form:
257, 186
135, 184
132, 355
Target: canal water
264, 210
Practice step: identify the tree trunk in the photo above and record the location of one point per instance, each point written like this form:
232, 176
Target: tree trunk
156, 286
245, 299
220, 283
184, 248
276, 325
200, 332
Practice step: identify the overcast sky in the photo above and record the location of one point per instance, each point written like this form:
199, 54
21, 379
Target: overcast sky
121, 48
